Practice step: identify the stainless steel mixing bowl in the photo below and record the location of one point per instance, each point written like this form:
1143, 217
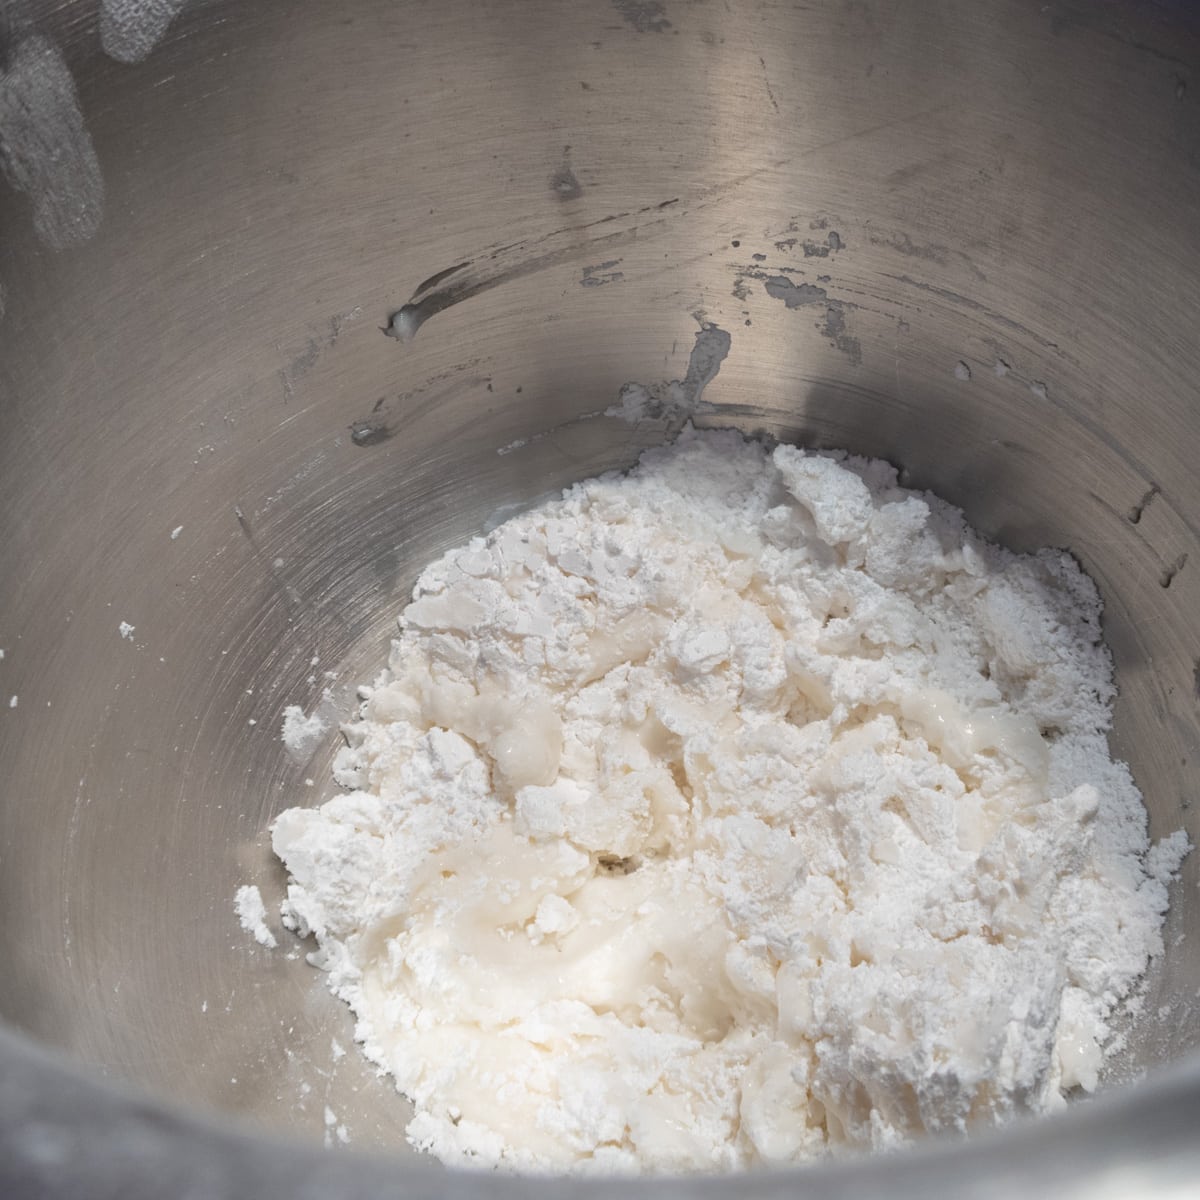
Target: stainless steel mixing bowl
965, 237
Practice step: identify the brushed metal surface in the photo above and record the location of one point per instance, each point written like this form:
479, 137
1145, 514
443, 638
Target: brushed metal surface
962, 237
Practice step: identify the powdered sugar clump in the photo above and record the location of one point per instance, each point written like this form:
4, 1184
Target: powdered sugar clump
300, 732
741, 809
252, 913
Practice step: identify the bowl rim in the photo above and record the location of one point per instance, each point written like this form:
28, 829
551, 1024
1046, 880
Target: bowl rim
65, 1132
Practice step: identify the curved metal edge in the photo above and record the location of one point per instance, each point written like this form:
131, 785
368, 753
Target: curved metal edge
65, 1133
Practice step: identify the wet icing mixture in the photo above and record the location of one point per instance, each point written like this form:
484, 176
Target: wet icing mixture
740, 809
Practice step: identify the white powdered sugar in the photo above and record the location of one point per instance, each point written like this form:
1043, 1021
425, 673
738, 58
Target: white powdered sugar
741, 809
301, 733
252, 913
